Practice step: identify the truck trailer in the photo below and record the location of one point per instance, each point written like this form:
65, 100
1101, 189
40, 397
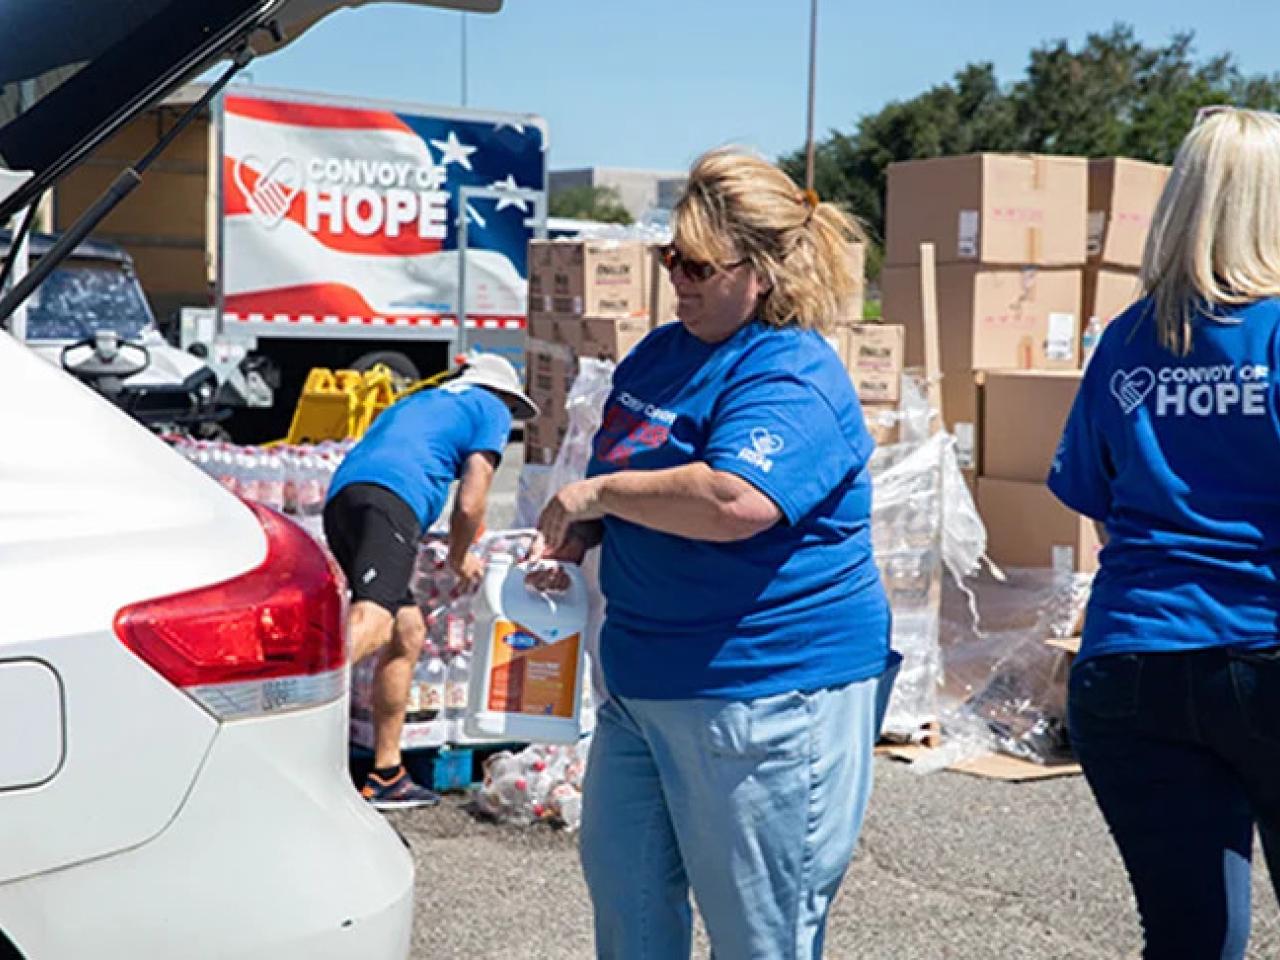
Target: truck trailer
284, 230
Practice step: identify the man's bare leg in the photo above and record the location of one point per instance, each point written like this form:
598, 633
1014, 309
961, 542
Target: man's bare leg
368, 628
391, 681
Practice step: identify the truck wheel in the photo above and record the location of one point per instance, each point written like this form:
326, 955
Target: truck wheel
403, 370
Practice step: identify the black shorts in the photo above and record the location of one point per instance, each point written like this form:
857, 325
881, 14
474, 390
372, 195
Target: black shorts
374, 536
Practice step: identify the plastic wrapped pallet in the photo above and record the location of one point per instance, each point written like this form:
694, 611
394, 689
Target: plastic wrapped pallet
923, 522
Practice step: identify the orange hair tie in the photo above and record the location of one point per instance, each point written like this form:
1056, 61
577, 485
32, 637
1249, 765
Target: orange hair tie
809, 198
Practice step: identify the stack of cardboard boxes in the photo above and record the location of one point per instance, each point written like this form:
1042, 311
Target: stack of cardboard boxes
587, 298
1023, 413
874, 355
1028, 248
1009, 242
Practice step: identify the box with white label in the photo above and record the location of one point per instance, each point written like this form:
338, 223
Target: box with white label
990, 319
1009, 209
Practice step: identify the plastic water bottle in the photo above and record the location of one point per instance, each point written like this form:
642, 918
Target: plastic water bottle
289, 460
457, 679
434, 680
310, 492
271, 486
1089, 342
250, 477
456, 626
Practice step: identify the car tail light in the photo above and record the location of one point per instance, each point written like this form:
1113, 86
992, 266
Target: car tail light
267, 641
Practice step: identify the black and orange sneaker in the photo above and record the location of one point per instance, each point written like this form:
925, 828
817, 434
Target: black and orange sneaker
398, 793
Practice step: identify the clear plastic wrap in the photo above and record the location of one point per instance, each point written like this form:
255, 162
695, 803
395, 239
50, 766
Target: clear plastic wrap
923, 522
541, 782
532, 491
585, 409
1005, 687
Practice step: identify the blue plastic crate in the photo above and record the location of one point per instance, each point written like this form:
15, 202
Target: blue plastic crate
451, 768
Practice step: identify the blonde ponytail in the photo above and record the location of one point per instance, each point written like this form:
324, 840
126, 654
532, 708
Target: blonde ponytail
738, 205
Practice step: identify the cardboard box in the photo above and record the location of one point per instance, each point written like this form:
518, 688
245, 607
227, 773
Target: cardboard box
556, 328
539, 456
611, 338
991, 319
989, 209
1122, 200
541, 268
1027, 526
882, 422
874, 356
549, 389
661, 292
544, 357
550, 371
546, 433
600, 278
1108, 293
1023, 414
853, 312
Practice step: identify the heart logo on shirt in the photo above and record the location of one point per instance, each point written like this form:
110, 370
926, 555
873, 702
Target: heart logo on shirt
765, 443
1131, 388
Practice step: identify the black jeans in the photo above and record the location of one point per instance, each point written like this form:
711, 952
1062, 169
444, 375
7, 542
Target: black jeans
1182, 752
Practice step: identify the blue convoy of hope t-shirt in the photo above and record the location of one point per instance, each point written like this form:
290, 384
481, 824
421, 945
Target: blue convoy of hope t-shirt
797, 607
418, 446
1180, 457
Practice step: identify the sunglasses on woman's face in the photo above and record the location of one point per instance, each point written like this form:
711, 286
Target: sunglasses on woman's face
695, 270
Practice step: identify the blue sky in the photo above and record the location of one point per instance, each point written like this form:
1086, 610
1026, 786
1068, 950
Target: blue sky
653, 84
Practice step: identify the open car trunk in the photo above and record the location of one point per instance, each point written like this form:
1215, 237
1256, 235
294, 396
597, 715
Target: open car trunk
73, 71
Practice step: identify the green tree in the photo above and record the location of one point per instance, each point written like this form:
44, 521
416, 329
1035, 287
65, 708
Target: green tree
601, 204
1113, 96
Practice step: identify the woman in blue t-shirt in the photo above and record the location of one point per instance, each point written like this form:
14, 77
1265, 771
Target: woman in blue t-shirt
746, 642
1174, 445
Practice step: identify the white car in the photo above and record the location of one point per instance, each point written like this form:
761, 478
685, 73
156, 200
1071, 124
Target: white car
173, 708
173, 674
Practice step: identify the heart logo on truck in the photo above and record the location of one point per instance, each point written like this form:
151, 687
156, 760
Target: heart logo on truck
272, 192
1131, 388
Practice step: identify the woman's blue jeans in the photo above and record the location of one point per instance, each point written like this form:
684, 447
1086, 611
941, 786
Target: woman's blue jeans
754, 805
1182, 752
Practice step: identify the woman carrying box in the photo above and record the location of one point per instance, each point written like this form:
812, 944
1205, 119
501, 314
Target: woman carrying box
1174, 445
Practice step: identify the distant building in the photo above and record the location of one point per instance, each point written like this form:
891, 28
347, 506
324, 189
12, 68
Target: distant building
639, 190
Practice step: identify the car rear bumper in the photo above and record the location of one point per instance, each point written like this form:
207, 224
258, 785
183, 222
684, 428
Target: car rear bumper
272, 855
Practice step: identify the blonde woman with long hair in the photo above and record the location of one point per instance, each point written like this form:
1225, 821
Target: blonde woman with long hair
1174, 446
746, 642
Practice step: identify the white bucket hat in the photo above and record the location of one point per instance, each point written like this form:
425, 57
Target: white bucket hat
494, 373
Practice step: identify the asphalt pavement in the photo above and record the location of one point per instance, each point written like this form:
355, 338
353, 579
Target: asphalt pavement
950, 867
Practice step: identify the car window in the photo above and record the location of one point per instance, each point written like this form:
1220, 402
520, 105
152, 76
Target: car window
75, 302
71, 67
